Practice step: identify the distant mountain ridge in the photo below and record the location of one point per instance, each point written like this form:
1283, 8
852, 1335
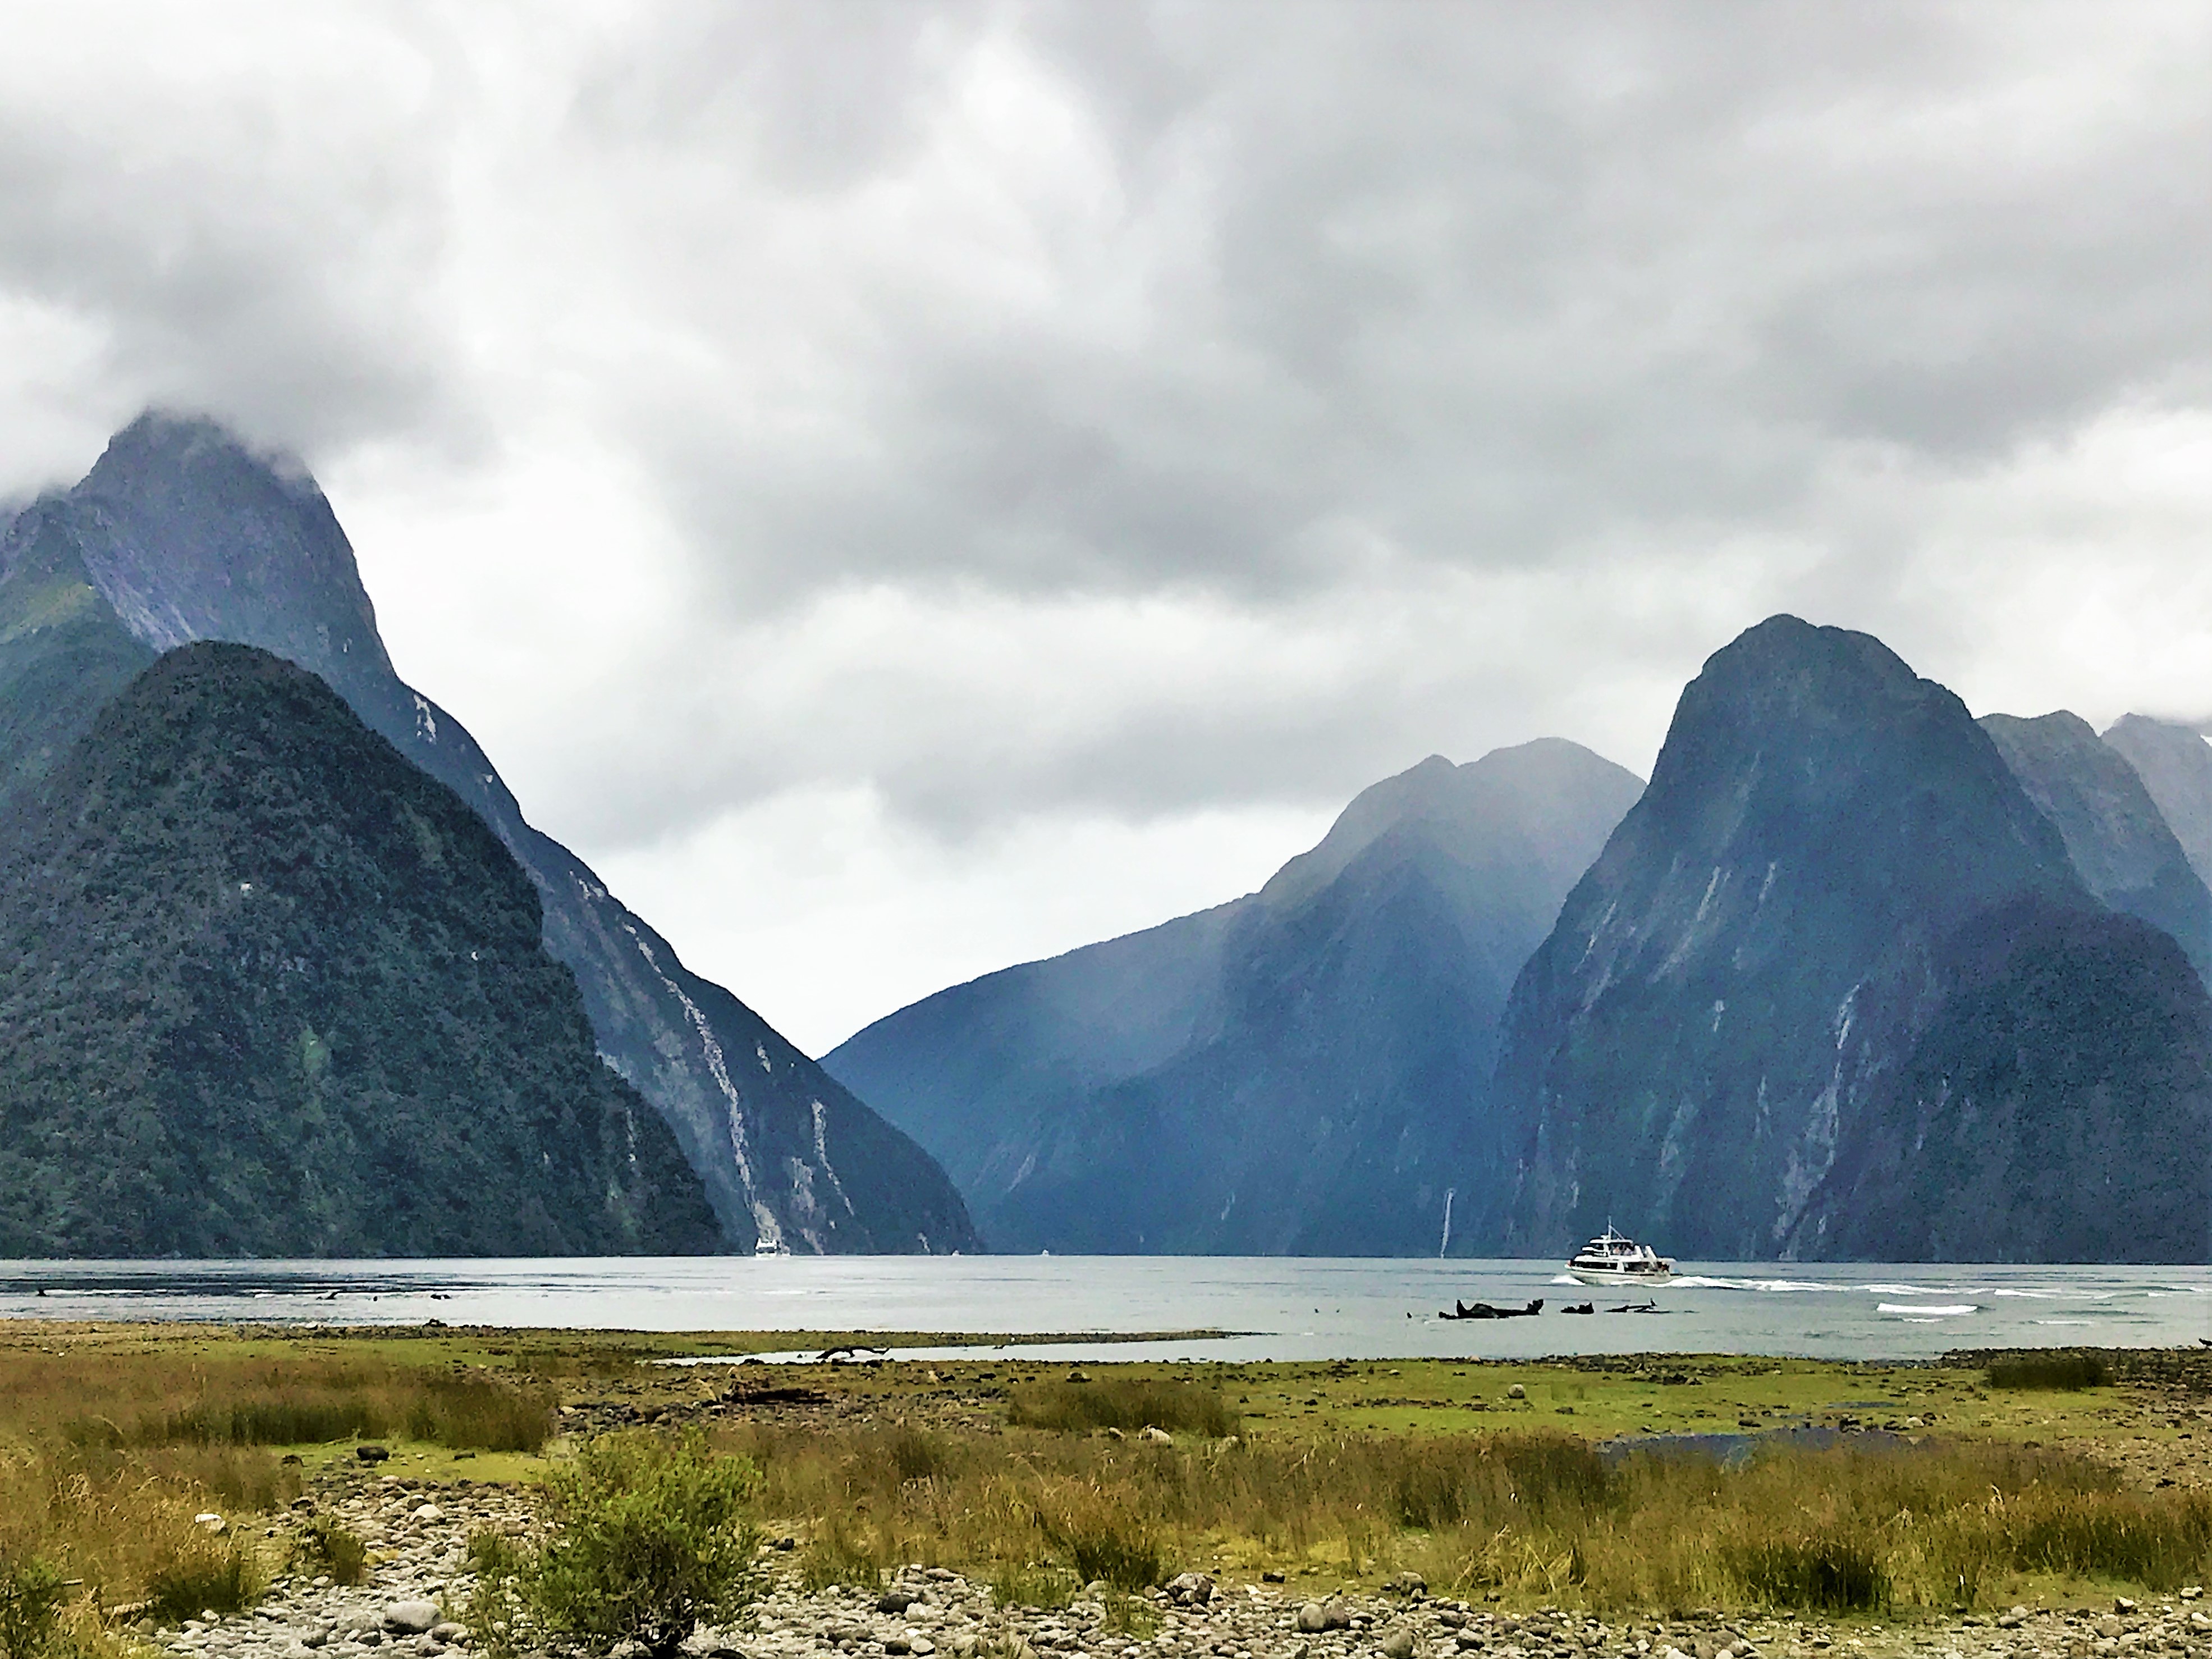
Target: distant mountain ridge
1302, 1070
180, 533
2116, 836
1835, 929
2175, 765
269, 990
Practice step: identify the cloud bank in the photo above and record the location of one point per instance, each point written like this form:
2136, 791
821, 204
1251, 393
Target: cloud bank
903, 487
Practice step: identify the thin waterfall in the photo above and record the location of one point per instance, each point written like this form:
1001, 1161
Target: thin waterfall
1445, 1244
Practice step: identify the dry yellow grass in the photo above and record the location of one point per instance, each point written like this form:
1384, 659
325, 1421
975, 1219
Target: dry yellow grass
1537, 1515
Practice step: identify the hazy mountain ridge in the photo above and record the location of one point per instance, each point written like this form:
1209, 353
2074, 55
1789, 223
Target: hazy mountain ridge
2175, 765
2118, 840
1297, 1071
181, 534
270, 990
1787, 945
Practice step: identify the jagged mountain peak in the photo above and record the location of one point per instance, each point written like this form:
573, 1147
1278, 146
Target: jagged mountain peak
188, 446
190, 533
2118, 840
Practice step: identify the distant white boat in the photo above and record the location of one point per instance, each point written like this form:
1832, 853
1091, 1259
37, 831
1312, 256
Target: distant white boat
1610, 1259
762, 1247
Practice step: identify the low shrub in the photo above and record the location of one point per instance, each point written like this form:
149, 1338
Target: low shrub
495, 1606
2056, 1370
31, 1596
1124, 1403
651, 1538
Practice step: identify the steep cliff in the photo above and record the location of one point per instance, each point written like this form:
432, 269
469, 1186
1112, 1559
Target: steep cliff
1766, 946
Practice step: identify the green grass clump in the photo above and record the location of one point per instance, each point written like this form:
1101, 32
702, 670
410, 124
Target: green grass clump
1439, 1483
466, 1410
2055, 1371
336, 1548
1103, 1542
1125, 1403
1825, 1573
215, 1574
475, 1411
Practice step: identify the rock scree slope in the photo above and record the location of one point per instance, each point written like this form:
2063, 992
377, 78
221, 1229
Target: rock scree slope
272, 991
1304, 1070
180, 532
1835, 911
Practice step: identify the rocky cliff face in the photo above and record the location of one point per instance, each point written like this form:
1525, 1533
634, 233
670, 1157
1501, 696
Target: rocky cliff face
183, 534
1305, 1070
270, 990
1752, 965
2120, 844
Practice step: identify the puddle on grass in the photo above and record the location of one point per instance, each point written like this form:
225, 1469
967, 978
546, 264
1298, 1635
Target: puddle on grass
1733, 1451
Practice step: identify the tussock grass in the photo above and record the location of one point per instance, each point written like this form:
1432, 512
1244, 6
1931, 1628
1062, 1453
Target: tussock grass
284, 1405
106, 1454
1539, 1516
1126, 1403
2059, 1370
336, 1548
221, 1575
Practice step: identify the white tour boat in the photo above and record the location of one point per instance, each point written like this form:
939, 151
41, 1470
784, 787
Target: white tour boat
1609, 1258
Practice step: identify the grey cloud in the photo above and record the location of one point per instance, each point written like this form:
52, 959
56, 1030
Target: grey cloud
233, 261
1274, 306
1488, 282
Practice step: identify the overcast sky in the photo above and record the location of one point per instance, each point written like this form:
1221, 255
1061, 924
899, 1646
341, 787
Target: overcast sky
905, 489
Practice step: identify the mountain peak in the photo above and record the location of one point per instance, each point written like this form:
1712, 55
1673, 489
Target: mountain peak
185, 445
192, 534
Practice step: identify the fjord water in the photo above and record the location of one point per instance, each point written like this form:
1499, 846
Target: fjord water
1271, 1308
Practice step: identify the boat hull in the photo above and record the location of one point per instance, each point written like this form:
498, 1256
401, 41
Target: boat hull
1618, 1276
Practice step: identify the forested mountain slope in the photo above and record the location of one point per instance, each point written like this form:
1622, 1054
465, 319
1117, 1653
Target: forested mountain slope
267, 989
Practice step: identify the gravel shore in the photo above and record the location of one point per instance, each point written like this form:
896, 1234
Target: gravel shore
420, 1580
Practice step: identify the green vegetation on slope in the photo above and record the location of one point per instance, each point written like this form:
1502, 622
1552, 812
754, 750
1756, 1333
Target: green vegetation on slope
269, 990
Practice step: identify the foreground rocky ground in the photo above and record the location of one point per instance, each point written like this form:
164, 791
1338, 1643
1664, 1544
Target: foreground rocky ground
420, 1583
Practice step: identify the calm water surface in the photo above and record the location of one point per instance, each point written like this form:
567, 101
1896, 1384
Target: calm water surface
1276, 1308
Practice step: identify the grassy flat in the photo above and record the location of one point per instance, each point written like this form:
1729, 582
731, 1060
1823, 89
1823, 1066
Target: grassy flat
1479, 1474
